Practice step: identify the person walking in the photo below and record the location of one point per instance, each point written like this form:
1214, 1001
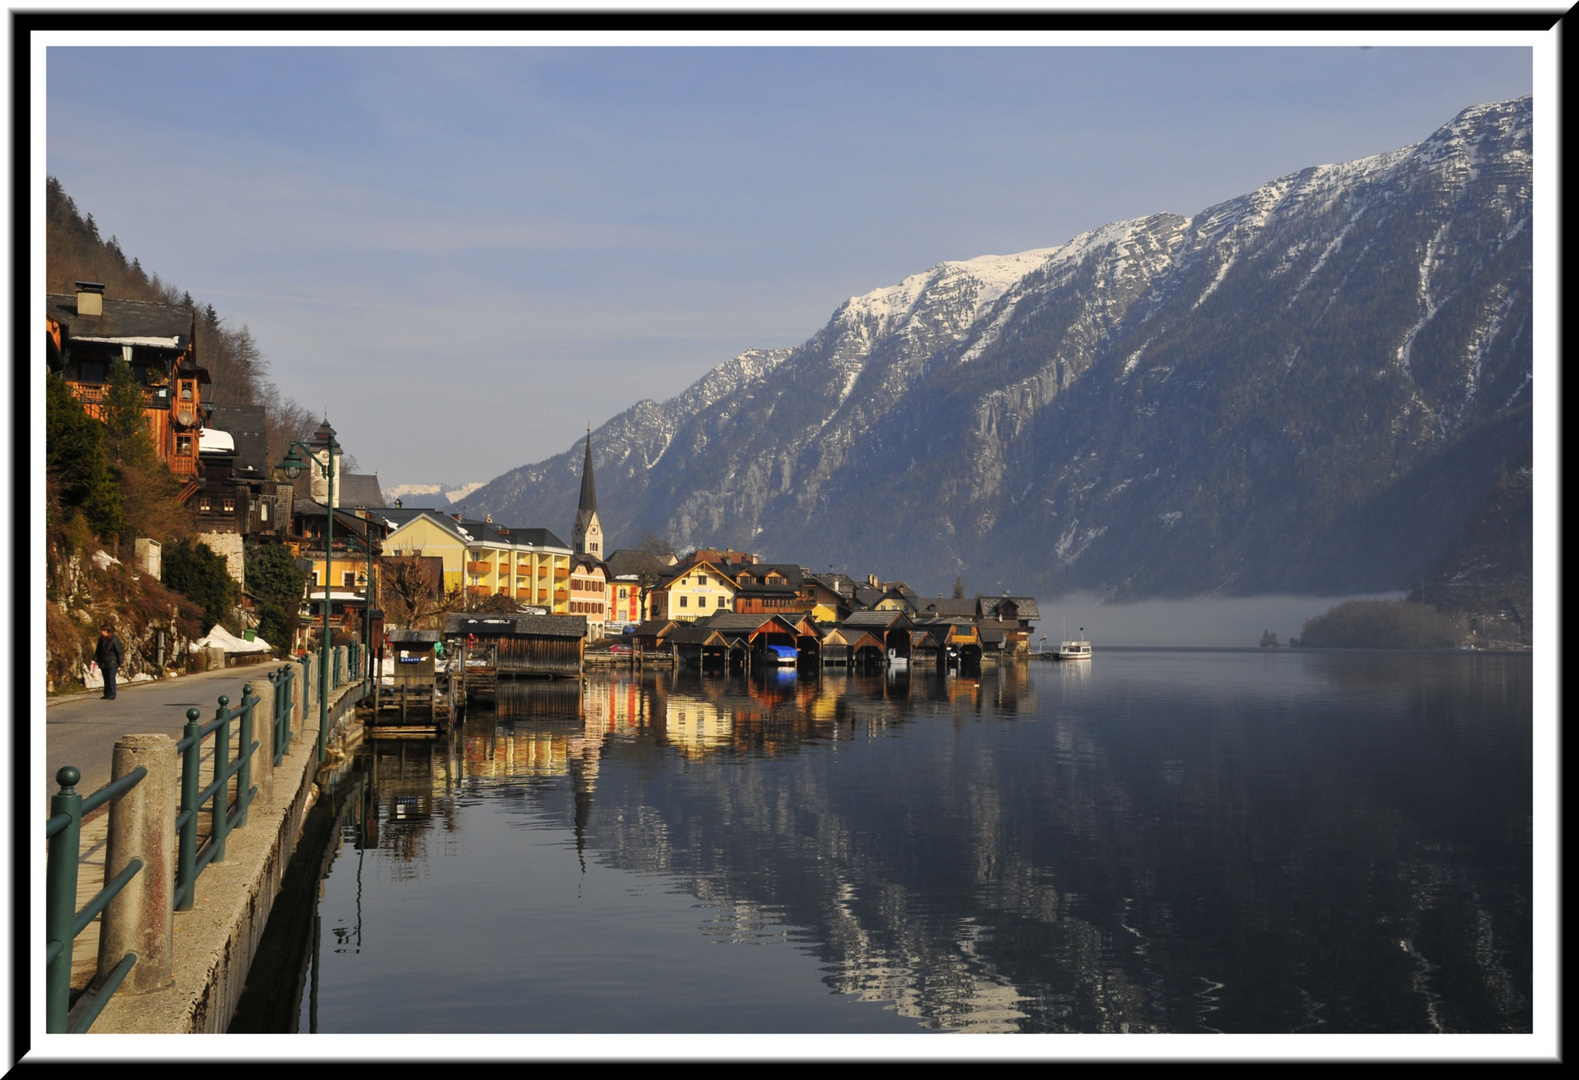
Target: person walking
110, 654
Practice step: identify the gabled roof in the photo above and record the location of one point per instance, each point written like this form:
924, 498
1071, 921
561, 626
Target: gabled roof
1026, 605
696, 635
733, 621
248, 427
674, 573
758, 571
133, 322
867, 596
883, 619
360, 489
654, 628
571, 626
406, 637
343, 518
946, 606
629, 561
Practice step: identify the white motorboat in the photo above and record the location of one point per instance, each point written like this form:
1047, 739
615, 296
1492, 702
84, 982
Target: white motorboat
1074, 649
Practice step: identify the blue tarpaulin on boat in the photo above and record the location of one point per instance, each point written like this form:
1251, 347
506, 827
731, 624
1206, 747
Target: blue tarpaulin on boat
784, 652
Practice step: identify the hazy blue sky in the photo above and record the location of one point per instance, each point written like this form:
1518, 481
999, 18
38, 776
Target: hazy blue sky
466, 254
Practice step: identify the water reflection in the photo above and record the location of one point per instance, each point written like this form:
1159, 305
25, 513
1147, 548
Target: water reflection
1145, 842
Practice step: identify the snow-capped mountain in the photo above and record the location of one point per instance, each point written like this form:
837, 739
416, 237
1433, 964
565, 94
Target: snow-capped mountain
1304, 388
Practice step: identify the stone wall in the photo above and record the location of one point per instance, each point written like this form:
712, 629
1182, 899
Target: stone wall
230, 546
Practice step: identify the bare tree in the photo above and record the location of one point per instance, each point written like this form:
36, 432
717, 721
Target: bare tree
413, 591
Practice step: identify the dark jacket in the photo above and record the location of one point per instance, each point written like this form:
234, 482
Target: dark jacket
110, 653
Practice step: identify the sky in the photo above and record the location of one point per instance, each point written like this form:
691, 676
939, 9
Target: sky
465, 255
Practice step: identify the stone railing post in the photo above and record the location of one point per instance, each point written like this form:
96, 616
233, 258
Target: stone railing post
141, 919
263, 735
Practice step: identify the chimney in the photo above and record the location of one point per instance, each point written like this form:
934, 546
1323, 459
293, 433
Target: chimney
90, 298
457, 517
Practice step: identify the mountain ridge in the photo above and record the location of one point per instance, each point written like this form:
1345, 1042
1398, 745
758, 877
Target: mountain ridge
1009, 418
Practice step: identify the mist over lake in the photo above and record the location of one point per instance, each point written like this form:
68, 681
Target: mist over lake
1216, 623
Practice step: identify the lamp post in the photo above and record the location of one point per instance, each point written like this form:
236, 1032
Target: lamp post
292, 468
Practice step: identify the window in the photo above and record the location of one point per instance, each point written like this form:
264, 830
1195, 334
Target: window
701, 601
623, 592
263, 512
229, 505
701, 579
204, 504
90, 371
682, 601
186, 391
312, 579
348, 579
183, 445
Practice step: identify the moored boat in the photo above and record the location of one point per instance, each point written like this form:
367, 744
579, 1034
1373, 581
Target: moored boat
1076, 649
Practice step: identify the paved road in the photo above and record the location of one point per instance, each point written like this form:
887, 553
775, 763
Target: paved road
81, 730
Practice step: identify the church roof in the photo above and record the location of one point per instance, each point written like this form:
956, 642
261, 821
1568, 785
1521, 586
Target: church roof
589, 494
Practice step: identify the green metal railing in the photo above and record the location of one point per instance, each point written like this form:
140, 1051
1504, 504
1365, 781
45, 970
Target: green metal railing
283, 682
62, 921
63, 833
223, 818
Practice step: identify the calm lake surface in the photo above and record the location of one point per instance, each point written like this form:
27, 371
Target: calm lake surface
1151, 841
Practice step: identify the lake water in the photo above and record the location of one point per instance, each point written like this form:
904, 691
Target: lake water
1151, 841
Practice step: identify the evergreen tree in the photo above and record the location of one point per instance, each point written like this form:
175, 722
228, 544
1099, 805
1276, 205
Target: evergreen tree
197, 573
75, 462
278, 583
126, 427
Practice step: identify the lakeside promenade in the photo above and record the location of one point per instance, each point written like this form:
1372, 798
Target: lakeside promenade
212, 944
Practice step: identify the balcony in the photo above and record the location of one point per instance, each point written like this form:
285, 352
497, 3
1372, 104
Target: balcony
479, 568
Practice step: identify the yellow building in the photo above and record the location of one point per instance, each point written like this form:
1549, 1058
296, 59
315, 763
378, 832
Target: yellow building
530, 566
589, 593
694, 592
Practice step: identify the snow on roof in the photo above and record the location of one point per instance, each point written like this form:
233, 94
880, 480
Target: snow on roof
211, 439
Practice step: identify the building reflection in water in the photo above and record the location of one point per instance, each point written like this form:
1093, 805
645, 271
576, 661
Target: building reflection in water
1056, 873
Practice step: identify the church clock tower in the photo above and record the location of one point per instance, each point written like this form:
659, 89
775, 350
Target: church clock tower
587, 536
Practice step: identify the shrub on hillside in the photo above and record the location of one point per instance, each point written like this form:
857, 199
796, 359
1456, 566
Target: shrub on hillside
193, 570
1384, 624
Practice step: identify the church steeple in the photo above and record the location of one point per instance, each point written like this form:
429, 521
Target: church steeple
587, 536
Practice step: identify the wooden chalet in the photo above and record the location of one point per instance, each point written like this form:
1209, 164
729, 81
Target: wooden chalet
86, 334
763, 589
494, 647
1015, 615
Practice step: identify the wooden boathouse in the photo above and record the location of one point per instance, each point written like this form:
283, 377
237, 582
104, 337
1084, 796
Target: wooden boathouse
748, 638
892, 628
495, 647
422, 699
